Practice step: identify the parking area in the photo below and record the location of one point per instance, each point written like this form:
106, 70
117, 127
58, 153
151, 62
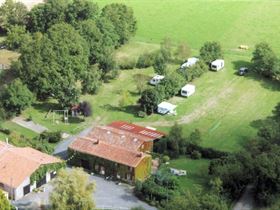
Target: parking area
108, 195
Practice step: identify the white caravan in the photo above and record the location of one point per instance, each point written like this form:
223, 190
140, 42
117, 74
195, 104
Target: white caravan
217, 65
156, 79
188, 90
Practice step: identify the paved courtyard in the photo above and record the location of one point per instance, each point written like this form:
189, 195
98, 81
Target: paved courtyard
107, 195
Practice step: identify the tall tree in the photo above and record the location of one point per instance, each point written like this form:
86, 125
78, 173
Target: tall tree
15, 97
264, 60
160, 65
12, 13
123, 20
149, 100
211, 51
183, 51
16, 37
72, 190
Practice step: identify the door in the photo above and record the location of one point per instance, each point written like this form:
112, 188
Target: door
85, 164
26, 189
41, 182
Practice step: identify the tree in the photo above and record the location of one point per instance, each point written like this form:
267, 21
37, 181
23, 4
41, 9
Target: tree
16, 37
15, 97
172, 83
195, 137
125, 99
85, 108
166, 48
160, 64
4, 203
264, 60
183, 51
12, 13
72, 190
211, 51
149, 100
43, 16
176, 143
195, 71
80, 10
122, 18
91, 80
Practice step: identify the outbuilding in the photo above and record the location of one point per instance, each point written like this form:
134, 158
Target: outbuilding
156, 79
188, 90
165, 108
217, 65
189, 62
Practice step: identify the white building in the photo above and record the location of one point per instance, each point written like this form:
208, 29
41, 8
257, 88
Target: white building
217, 65
188, 90
156, 79
189, 62
16, 167
165, 108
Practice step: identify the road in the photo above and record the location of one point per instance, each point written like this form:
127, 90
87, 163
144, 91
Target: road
246, 202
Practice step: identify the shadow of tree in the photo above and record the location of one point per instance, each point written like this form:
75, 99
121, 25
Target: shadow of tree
131, 109
265, 82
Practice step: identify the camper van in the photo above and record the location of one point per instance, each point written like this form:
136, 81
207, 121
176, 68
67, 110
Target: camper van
189, 62
156, 79
166, 108
187, 90
217, 65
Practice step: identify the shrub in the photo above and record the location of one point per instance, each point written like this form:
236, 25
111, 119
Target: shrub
195, 155
160, 65
5, 131
141, 114
127, 63
85, 108
165, 158
51, 137
145, 60
211, 51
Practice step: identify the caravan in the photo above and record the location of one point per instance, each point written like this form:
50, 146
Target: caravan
217, 65
189, 62
188, 90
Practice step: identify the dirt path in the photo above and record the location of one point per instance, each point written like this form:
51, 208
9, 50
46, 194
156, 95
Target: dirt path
197, 113
29, 125
246, 202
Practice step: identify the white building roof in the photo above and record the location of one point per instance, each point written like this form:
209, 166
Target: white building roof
166, 105
188, 87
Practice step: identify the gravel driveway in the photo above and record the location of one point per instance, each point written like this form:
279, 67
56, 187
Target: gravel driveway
107, 195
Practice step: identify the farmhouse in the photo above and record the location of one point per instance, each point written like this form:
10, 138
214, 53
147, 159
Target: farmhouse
17, 166
119, 149
166, 108
188, 90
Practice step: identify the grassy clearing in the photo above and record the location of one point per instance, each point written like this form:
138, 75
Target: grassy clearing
7, 56
197, 172
18, 130
230, 22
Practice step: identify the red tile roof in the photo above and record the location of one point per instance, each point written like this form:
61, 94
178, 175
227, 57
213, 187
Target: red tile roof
136, 129
107, 151
17, 164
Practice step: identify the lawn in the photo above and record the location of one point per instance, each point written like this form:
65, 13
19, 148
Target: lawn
230, 22
197, 172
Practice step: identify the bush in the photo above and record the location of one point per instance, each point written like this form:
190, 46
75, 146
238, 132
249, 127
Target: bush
165, 158
51, 137
211, 51
5, 131
141, 114
145, 60
85, 108
195, 155
127, 63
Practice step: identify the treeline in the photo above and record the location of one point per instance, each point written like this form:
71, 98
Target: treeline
66, 48
174, 80
258, 165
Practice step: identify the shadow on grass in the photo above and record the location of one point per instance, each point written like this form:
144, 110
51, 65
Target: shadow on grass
265, 82
45, 106
131, 109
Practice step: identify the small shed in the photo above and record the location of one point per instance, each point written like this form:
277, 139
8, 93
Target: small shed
165, 108
156, 79
189, 62
188, 90
217, 65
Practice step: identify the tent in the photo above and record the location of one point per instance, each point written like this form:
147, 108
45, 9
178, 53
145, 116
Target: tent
188, 90
165, 107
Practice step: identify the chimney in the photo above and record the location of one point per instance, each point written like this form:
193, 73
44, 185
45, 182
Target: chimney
140, 154
96, 141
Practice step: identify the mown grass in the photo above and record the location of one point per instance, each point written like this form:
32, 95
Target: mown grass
197, 172
195, 21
